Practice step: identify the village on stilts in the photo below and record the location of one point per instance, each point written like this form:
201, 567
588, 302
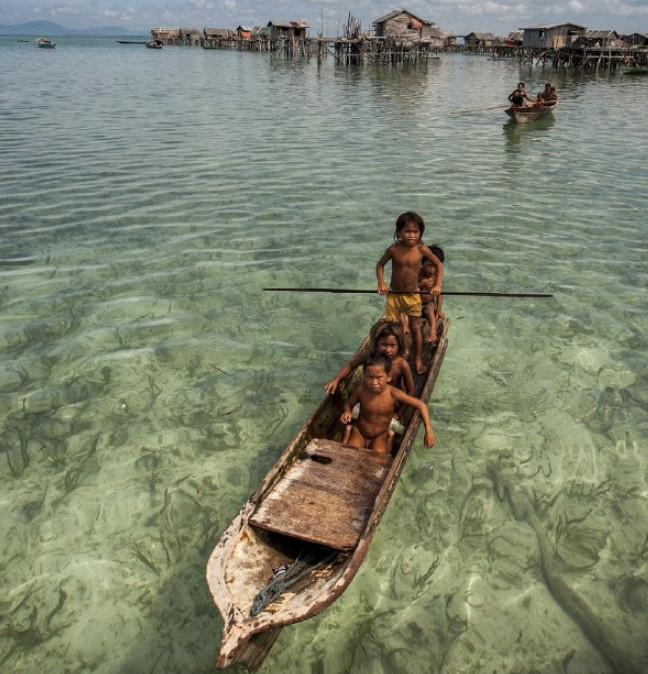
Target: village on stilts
402, 36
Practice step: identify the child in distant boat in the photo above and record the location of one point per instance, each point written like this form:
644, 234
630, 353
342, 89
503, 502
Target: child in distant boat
406, 256
518, 95
378, 403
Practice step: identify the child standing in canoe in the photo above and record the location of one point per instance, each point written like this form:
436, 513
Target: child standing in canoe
378, 404
407, 255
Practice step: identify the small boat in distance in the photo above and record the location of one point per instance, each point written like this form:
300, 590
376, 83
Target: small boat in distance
636, 70
154, 44
300, 539
44, 43
528, 113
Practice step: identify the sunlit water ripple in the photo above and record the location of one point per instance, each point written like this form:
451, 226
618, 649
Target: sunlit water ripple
148, 383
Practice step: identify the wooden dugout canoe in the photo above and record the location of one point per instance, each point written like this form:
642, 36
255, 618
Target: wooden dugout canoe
529, 113
300, 539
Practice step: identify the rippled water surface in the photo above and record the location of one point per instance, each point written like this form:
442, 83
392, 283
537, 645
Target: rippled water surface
147, 383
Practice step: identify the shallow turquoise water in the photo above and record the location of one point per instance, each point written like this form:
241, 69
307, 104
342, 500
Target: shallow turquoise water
147, 383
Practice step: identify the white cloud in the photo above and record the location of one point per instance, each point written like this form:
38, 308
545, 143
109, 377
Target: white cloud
201, 4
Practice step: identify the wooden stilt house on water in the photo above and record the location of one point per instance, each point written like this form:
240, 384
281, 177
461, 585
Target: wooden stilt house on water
552, 35
166, 35
288, 30
479, 40
403, 36
599, 38
215, 38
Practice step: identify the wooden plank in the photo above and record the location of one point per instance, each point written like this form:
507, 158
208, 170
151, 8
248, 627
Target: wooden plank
326, 496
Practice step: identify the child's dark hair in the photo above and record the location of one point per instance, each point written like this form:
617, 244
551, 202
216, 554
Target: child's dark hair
404, 219
438, 251
385, 328
375, 358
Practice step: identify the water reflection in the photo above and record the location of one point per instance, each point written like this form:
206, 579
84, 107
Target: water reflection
516, 133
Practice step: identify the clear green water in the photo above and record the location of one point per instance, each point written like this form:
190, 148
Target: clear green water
147, 383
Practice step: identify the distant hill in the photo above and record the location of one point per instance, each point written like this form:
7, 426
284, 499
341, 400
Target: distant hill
49, 29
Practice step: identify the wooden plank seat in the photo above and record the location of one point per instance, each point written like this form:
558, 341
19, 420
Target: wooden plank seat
326, 496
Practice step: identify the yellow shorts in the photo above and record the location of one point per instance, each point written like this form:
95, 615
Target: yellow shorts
403, 304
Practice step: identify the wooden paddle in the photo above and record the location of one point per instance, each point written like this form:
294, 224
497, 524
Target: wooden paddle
352, 291
492, 107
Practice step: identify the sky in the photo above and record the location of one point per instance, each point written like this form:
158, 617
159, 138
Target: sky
458, 16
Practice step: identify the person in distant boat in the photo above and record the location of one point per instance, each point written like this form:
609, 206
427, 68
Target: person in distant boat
546, 91
431, 303
387, 338
518, 96
378, 403
406, 256
550, 96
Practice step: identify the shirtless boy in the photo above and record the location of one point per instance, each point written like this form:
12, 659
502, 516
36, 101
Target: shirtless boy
406, 256
378, 403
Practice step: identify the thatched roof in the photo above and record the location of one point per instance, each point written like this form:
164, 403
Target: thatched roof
482, 36
288, 24
398, 12
218, 33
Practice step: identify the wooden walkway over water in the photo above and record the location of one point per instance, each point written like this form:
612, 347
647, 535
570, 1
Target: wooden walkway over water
347, 50
368, 49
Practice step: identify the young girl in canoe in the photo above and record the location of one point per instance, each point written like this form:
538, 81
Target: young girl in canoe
406, 256
386, 338
378, 402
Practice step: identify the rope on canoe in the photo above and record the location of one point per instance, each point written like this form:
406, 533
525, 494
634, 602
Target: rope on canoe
286, 575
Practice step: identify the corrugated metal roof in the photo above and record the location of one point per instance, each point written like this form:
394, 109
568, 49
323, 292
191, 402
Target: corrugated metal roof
549, 26
598, 34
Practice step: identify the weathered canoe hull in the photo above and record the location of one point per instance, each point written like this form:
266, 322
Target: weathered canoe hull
242, 563
525, 114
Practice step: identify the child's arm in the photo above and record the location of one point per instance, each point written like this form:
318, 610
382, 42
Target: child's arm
423, 411
408, 379
436, 290
380, 271
346, 416
331, 386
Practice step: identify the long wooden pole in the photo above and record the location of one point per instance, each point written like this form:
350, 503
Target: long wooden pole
354, 291
492, 107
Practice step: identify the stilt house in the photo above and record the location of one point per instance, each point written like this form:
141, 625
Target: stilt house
288, 30
552, 35
403, 24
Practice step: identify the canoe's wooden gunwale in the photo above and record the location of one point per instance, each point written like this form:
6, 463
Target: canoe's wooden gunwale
246, 639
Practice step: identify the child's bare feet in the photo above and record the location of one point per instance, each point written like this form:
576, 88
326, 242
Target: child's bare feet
418, 366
